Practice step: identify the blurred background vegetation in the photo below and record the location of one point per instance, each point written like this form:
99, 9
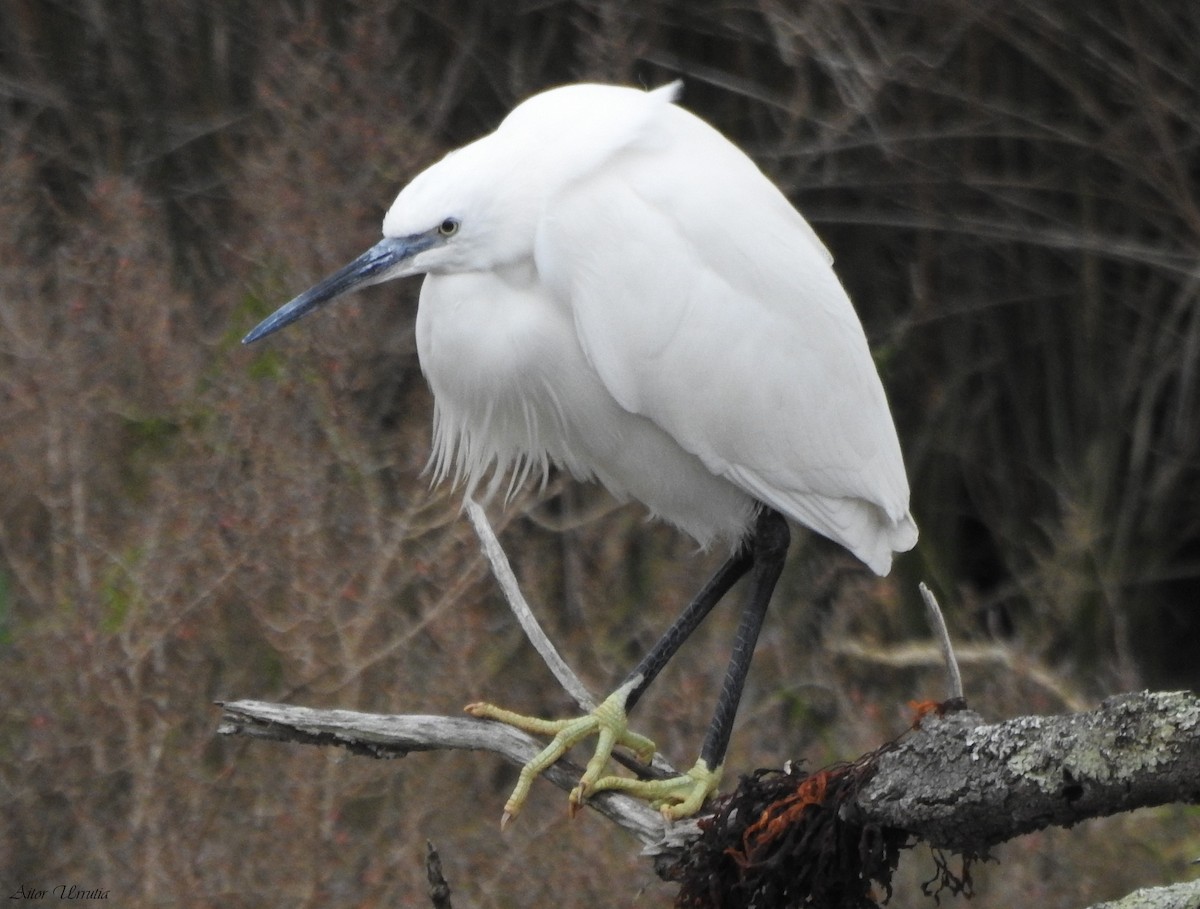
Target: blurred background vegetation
1010, 191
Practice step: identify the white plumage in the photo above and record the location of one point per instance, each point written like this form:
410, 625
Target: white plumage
629, 297
613, 287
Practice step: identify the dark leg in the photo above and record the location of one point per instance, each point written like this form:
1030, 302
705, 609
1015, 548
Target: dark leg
762, 555
768, 550
689, 620
681, 796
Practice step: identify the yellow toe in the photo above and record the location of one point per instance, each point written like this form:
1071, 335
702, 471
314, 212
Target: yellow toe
608, 722
677, 797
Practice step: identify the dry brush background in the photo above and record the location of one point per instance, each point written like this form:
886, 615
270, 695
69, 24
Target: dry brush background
1010, 190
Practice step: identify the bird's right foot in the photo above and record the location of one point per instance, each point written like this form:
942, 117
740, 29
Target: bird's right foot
608, 722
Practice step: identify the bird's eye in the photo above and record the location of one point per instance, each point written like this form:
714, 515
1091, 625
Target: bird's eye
449, 227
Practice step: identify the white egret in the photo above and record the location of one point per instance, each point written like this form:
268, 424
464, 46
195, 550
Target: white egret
614, 288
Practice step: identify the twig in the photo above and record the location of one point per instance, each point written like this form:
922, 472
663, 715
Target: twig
954, 687
520, 608
439, 890
913, 655
659, 766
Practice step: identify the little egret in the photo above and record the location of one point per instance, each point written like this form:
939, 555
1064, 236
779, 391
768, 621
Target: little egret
614, 288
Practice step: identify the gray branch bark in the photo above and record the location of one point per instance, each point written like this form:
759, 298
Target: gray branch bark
394, 736
956, 782
1176, 896
962, 784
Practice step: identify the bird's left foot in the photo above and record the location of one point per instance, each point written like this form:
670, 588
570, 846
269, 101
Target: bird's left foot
676, 797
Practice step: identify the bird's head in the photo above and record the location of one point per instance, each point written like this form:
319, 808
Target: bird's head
465, 213
474, 210
478, 208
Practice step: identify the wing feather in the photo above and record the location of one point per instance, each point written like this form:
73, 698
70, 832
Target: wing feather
706, 303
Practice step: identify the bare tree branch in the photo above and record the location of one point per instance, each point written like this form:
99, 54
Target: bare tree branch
965, 785
927, 654
541, 642
384, 736
955, 782
520, 608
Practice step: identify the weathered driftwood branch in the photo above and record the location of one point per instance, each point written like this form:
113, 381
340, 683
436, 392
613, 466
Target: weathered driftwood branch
383, 736
955, 782
541, 642
503, 573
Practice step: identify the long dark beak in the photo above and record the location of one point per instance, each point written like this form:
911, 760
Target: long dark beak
377, 264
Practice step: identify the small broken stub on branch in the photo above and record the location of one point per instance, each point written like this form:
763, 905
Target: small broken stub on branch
787, 838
